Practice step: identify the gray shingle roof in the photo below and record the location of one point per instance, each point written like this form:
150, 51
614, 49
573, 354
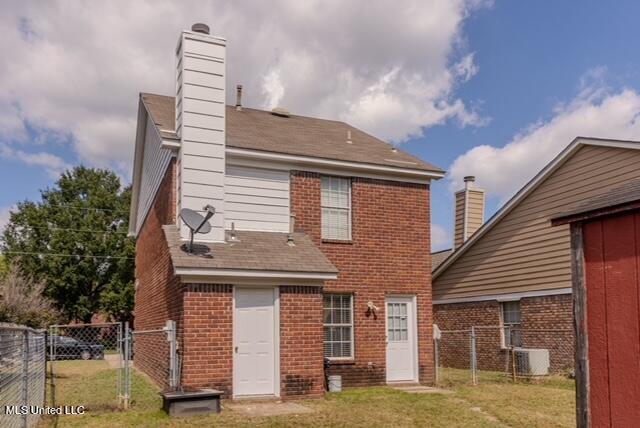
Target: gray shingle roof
251, 251
621, 195
438, 257
295, 135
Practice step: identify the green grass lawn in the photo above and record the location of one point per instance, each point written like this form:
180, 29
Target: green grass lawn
496, 401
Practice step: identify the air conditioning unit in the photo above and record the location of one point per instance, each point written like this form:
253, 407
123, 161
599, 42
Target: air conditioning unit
532, 362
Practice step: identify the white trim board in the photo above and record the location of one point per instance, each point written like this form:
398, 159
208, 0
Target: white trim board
552, 166
242, 273
504, 297
307, 161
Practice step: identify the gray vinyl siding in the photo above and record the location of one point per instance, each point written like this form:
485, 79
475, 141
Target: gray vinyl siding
155, 161
522, 252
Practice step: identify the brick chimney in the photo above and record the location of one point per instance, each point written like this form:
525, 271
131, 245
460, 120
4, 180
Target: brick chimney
469, 213
200, 125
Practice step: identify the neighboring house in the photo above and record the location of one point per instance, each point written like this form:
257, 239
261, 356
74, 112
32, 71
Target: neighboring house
266, 296
515, 270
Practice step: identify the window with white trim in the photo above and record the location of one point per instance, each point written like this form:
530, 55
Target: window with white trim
336, 208
511, 324
338, 326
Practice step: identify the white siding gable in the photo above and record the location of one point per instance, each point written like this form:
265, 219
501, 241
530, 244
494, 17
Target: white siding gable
155, 161
256, 199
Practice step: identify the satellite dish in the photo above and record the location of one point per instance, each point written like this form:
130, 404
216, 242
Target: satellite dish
196, 222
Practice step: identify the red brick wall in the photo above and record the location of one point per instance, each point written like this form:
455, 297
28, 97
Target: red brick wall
455, 346
301, 358
159, 293
546, 324
207, 346
389, 254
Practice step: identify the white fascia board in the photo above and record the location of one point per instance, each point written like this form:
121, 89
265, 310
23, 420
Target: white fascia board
576, 144
333, 164
170, 144
510, 297
242, 273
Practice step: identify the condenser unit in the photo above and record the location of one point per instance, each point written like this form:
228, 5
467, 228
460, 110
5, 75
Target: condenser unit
532, 362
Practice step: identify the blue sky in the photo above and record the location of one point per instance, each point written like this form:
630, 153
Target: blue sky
493, 89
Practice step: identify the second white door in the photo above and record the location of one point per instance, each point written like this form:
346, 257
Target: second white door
255, 331
401, 340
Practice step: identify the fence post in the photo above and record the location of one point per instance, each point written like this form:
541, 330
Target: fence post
127, 374
25, 374
436, 357
474, 375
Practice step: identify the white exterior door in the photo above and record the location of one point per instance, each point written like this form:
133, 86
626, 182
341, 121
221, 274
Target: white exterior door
255, 333
401, 340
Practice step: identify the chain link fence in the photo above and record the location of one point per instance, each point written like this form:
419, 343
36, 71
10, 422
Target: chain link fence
22, 375
155, 353
484, 353
85, 347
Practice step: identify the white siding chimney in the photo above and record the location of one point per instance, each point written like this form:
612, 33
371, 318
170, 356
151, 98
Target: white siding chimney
200, 125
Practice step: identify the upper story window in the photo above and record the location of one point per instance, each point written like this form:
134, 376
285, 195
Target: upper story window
336, 208
512, 324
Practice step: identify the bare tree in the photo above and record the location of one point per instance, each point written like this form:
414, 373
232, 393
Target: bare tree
22, 301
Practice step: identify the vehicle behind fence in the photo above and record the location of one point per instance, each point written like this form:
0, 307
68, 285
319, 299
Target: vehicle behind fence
22, 374
469, 354
114, 347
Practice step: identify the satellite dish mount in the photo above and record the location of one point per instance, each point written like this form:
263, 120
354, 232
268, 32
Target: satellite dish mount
196, 222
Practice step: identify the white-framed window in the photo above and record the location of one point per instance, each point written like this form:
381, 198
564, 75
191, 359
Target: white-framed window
338, 326
511, 324
336, 208
397, 322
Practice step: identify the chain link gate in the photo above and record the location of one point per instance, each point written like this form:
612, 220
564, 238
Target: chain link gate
114, 346
154, 350
70, 346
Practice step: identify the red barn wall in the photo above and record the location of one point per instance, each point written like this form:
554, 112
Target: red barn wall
612, 263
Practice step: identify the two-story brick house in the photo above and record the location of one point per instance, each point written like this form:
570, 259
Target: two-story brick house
319, 247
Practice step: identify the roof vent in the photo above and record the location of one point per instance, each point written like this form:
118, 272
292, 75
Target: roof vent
280, 111
199, 27
349, 141
239, 97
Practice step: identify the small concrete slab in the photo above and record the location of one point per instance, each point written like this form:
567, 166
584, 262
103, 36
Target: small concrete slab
421, 389
267, 408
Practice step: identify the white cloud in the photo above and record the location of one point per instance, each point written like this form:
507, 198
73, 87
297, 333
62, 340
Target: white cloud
595, 112
54, 165
74, 69
440, 237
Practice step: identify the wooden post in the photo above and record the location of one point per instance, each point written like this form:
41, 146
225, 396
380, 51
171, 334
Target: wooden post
583, 416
